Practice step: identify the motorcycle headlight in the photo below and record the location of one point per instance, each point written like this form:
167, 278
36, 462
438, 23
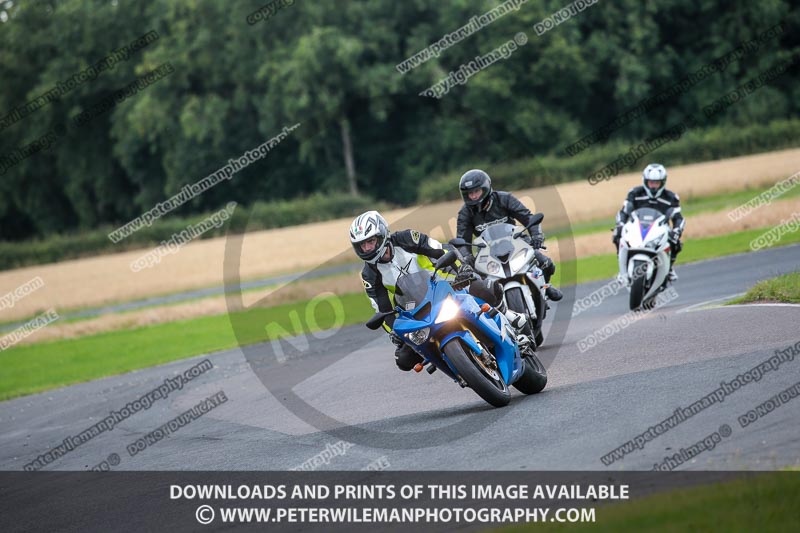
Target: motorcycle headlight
655, 244
493, 267
448, 311
420, 336
519, 260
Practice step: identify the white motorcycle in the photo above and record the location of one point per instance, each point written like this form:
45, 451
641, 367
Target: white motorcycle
644, 256
506, 258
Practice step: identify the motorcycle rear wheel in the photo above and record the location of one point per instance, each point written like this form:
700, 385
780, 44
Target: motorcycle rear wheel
534, 377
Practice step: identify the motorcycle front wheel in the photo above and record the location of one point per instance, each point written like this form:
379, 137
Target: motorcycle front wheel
487, 382
637, 286
516, 302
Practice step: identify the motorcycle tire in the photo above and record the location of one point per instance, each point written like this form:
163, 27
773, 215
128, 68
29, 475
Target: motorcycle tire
534, 377
493, 390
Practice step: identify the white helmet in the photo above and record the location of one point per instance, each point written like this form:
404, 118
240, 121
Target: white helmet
366, 226
654, 172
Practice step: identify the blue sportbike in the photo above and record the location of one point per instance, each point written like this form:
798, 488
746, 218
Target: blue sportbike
462, 336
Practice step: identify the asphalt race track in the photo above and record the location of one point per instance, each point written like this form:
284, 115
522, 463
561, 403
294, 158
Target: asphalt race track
594, 401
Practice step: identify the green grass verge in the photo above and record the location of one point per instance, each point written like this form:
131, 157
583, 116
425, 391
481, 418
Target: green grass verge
37, 367
766, 502
783, 289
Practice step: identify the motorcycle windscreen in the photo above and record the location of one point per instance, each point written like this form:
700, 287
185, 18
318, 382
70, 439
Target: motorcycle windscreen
497, 231
497, 237
411, 289
647, 218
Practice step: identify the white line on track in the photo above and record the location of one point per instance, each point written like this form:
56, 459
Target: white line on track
713, 304
709, 304
773, 304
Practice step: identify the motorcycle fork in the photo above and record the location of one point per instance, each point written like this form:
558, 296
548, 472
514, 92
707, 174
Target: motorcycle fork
488, 359
529, 300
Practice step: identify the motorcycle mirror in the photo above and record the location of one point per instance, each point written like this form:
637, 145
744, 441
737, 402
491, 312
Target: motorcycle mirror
446, 260
536, 219
377, 320
461, 242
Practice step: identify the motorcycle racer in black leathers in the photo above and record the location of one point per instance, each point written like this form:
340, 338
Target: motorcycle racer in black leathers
654, 194
483, 207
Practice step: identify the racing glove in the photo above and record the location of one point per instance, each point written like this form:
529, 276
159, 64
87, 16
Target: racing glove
537, 241
617, 234
463, 276
396, 340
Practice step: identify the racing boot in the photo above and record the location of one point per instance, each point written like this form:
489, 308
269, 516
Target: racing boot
672, 276
517, 320
553, 294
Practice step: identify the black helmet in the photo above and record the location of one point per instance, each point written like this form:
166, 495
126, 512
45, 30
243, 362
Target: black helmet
475, 179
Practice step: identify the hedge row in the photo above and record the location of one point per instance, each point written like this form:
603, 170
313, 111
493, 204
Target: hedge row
262, 215
692, 147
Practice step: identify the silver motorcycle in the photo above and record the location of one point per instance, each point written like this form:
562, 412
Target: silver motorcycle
508, 259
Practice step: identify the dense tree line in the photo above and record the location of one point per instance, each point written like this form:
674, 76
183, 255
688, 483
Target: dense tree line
233, 82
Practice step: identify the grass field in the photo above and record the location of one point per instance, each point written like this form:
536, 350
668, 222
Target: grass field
690, 206
764, 503
708, 218
782, 289
108, 279
317, 284
37, 367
